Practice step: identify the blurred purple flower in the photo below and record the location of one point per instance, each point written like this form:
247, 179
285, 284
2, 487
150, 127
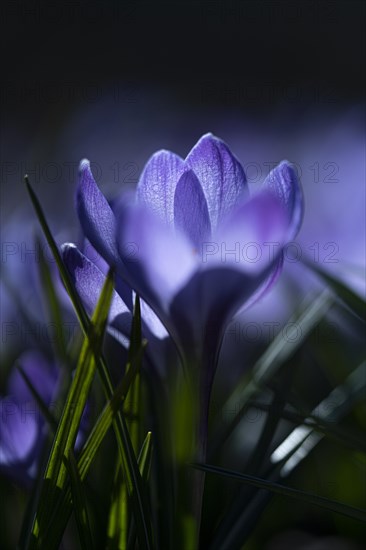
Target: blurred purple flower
186, 242
22, 425
24, 311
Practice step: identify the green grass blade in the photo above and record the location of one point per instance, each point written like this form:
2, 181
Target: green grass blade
135, 489
242, 514
280, 350
85, 369
144, 462
258, 457
122, 436
145, 457
79, 309
79, 504
106, 418
354, 441
121, 529
90, 448
127, 443
136, 331
335, 405
55, 475
341, 290
132, 476
271, 423
51, 420
117, 532
120, 513
132, 402
270, 363
53, 304
33, 500
132, 410
310, 498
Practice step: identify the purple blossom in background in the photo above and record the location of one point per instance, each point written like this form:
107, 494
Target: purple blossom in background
25, 316
192, 243
22, 425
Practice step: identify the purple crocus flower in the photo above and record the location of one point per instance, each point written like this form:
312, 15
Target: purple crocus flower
22, 425
192, 243
194, 246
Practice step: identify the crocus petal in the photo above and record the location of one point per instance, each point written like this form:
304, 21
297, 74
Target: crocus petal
95, 215
251, 237
152, 321
89, 252
157, 184
204, 306
21, 420
266, 285
40, 372
162, 262
220, 174
88, 281
190, 209
283, 182
121, 287
19, 432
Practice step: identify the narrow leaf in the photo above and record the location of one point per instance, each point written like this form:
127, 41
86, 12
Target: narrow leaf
53, 304
272, 360
90, 448
106, 418
118, 514
341, 290
55, 474
145, 457
79, 504
118, 423
41, 404
144, 462
304, 438
82, 316
310, 498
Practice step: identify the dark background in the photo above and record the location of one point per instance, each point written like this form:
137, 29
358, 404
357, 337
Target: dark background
217, 50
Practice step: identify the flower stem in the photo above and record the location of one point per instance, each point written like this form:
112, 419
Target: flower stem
198, 481
201, 386
198, 378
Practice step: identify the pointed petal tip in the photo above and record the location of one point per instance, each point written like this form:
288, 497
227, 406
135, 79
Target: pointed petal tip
85, 176
157, 183
288, 168
208, 137
69, 251
67, 246
191, 214
95, 214
284, 183
162, 152
220, 173
84, 165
